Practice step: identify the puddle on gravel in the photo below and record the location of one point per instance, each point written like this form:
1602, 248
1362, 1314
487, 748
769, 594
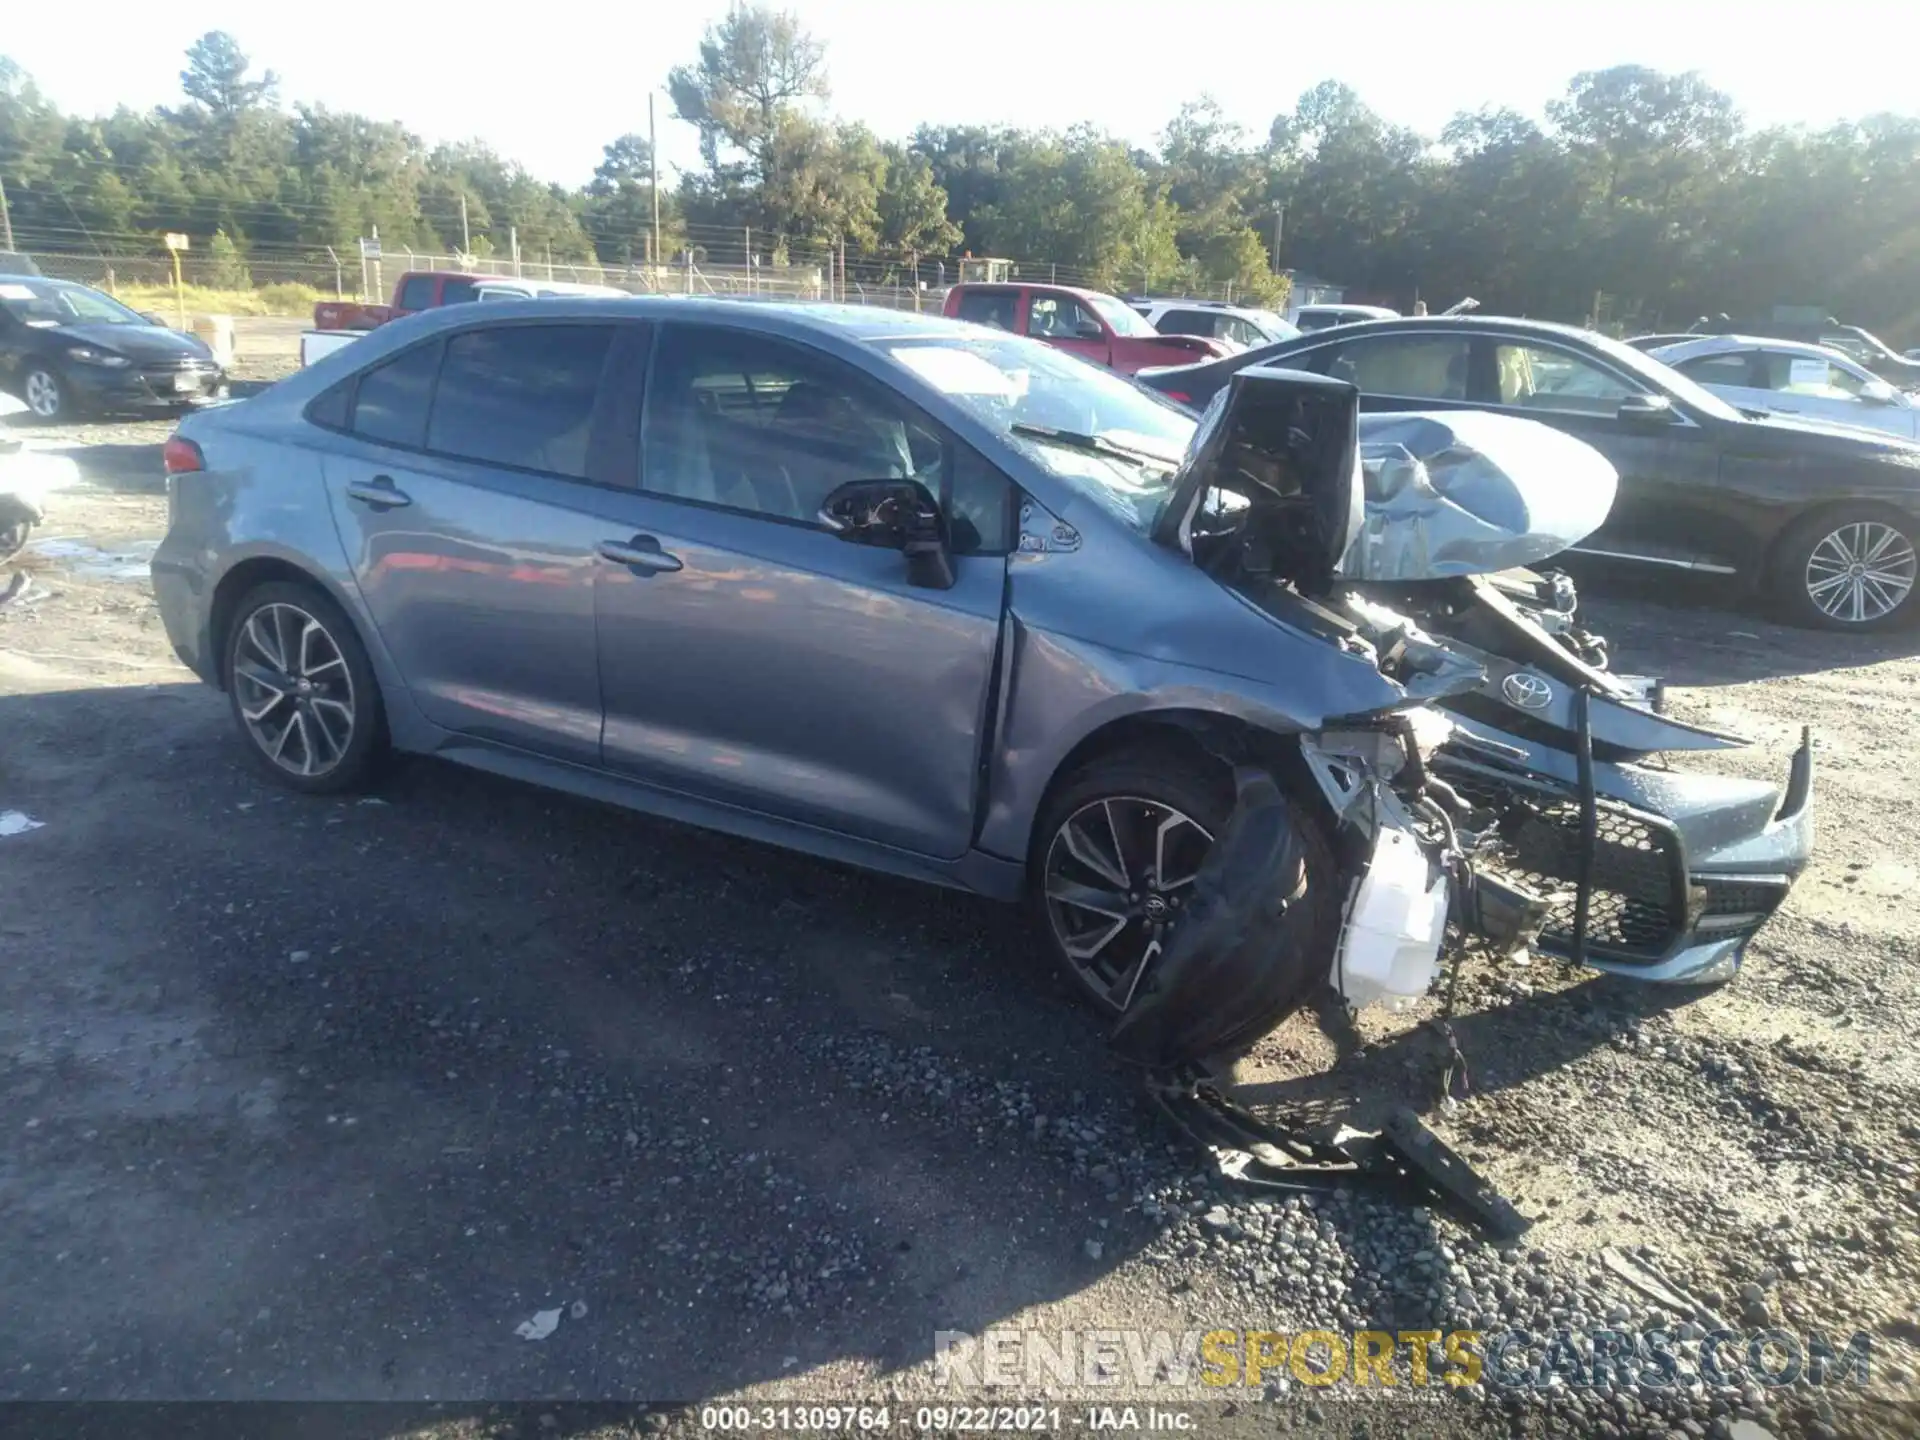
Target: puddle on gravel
131, 561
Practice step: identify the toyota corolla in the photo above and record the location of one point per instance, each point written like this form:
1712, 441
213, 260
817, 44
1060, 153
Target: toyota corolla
1239, 708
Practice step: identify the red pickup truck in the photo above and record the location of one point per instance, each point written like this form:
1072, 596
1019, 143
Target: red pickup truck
415, 290
1096, 327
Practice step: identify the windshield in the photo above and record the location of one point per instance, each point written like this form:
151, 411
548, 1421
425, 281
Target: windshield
58, 302
1015, 382
1124, 319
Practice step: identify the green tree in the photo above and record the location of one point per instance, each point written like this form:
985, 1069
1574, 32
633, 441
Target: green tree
226, 270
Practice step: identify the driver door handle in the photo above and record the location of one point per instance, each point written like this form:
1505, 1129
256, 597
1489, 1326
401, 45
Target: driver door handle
642, 552
379, 492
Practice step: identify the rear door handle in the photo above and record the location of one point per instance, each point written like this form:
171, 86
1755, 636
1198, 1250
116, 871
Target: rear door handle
379, 492
642, 552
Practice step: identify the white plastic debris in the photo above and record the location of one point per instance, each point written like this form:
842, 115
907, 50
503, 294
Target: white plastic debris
543, 1324
17, 822
1390, 949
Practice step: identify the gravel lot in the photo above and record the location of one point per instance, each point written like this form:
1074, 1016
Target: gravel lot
321, 1099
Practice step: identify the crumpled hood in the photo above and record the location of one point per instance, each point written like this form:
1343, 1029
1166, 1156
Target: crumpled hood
1469, 493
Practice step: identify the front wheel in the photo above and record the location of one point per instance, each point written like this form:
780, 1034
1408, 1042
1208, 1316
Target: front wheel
47, 395
302, 689
1850, 568
1126, 866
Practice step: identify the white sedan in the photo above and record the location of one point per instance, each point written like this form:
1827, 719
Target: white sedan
1808, 382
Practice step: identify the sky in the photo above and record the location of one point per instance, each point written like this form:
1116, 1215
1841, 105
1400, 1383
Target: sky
549, 90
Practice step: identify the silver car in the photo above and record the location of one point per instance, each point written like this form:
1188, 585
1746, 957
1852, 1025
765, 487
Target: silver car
938, 601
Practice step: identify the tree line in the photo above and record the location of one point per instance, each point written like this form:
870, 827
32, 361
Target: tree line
1640, 197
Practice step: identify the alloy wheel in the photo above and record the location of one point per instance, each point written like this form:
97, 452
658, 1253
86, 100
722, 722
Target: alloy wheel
294, 690
43, 394
1861, 572
1118, 873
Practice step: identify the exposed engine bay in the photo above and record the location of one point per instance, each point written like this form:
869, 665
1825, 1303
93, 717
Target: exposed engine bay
1506, 802
1405, 538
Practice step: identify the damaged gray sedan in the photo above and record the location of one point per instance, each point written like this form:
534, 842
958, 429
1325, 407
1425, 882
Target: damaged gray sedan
1238, 709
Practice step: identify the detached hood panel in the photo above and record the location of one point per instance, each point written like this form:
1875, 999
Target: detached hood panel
1468, 493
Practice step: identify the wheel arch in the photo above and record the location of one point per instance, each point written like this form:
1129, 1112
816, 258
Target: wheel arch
1207, 736
248, 575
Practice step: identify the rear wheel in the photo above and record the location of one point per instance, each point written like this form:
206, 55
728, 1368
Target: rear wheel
302, 689
1849, 568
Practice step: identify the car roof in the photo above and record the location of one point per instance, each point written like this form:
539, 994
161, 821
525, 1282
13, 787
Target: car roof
1340, 307
1078, 292
865, 323
1404, 324
1727, 344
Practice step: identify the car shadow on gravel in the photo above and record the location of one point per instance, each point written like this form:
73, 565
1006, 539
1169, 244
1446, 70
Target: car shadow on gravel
1503, 1044
339, 1092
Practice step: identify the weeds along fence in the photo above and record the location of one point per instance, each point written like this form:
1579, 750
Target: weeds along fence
816, 273
794, 282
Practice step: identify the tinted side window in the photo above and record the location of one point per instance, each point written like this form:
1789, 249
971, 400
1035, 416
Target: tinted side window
1536, 377
1058, 317
416, 292
520, 395
1186, 322
331, 407
1429, 367
989, 307
1717, 370
753, 424
390, 404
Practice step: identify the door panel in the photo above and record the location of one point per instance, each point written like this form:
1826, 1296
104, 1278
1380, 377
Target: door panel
789, 672
482, 589
763, 662
1665, 507
479, 575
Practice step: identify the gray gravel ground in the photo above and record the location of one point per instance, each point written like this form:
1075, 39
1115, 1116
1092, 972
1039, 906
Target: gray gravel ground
323, 1098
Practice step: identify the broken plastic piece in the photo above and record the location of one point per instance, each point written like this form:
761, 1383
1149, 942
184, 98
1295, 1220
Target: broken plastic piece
1390, 948
543, 1324
1406, 1158
1246, 952
17, 822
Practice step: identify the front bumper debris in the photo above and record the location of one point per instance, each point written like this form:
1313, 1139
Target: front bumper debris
1405, 1158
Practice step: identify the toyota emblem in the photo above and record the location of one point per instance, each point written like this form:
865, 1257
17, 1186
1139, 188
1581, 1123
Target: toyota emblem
1527, 691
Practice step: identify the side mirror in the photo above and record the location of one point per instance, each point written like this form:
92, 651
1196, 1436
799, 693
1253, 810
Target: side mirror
1088, 330
1879, 393
1647, 410
898, 515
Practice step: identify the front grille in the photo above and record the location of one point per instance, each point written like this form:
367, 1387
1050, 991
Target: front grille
173, 364
1636, 909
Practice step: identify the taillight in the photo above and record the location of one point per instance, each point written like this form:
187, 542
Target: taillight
1180, 395
181, 456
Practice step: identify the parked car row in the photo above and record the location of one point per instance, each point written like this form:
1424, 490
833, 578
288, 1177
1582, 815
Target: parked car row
1825, 520
1229, 704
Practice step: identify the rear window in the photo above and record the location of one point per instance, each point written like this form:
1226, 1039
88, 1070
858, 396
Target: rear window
1187, 322
989, 307
520, 395
390, 403
455, 292
416, 292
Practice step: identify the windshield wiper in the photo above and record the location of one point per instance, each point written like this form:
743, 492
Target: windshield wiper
1094, 445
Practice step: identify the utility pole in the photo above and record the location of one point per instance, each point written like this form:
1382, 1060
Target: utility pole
653, 175
466, 236
1279, 219
843, 269
747, 255
6, 220
513, 247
